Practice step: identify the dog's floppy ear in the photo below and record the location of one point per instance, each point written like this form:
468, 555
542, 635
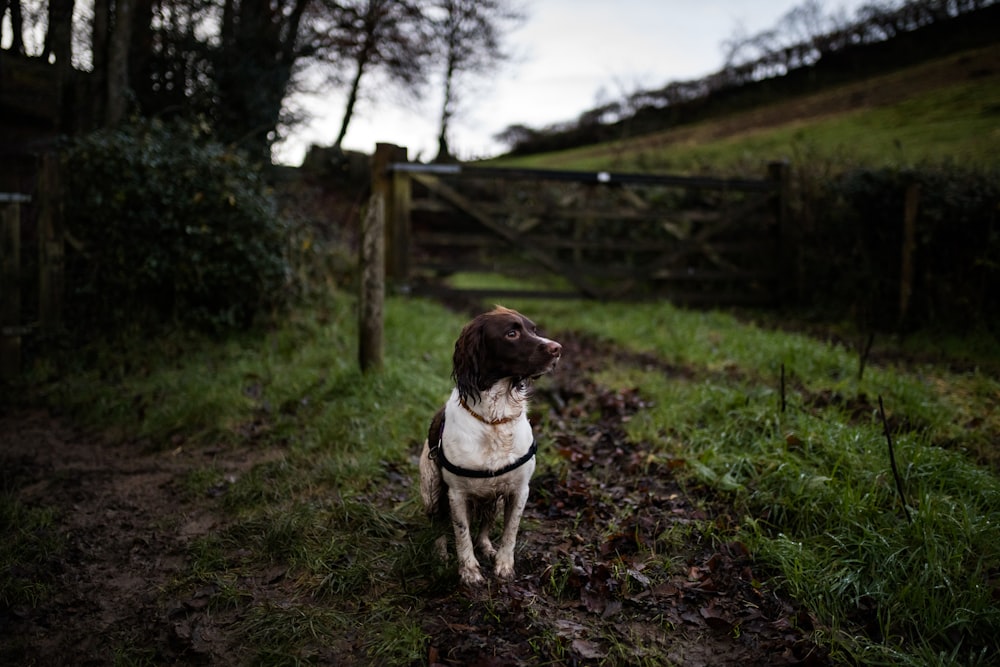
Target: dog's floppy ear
467, 360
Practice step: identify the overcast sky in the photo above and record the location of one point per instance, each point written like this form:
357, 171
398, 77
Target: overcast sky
569, 56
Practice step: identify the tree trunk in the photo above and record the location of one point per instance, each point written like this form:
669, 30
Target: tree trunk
117, 89
99, 45
16, 26
253, 65
140, 55
59, 37
444, 151
352, 97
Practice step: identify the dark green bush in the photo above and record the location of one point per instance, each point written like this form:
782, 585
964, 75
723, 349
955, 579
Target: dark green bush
173, 228
851, 242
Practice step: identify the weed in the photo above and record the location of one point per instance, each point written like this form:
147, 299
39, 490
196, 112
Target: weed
132, 656
293, 633
396, 638
26, 553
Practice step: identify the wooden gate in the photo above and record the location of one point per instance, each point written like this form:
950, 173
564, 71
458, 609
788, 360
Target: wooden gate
580, 234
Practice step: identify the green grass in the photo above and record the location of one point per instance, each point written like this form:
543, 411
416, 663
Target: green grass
812, 485
959, 121
493, 281
815, 484
298, 385
31, 544
296, 389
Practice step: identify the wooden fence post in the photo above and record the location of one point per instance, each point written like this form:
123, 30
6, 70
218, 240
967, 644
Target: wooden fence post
371, 300
10, 290
397, 217
788, 247
910, 205
51, 246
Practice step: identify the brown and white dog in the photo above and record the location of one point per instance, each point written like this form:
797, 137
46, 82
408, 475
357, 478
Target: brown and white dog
480, 451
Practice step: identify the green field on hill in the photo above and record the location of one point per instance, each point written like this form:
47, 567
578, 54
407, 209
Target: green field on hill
940, 111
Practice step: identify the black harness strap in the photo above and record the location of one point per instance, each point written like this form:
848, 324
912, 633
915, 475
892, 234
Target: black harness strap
437, 451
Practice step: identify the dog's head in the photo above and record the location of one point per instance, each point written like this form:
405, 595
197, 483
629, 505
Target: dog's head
500, 344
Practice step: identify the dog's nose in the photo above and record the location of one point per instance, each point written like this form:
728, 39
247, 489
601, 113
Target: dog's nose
553, 348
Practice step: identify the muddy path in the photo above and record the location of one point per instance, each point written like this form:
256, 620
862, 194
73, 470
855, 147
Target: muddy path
598, 580
124, 522
614, 558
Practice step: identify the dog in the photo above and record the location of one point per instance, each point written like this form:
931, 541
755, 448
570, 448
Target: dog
480, 451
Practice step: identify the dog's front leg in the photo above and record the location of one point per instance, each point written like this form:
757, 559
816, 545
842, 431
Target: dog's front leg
512, 511
488, 516
468, 566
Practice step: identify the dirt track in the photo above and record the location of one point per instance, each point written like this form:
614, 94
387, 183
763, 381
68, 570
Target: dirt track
126, 525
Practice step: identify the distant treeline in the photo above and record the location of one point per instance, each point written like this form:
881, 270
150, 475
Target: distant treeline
764, 68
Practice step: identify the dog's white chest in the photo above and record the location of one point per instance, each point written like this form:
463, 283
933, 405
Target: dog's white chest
470, 443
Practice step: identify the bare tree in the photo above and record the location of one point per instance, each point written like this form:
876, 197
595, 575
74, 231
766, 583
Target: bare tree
16, 24
59, 37
804, 23
470, 36
515, 135
229, 61
100, 39
118, 81
253, 67
795, 41
390, 36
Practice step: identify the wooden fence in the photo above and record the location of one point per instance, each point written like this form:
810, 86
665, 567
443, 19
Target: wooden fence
47, 234
602, 235
581, 234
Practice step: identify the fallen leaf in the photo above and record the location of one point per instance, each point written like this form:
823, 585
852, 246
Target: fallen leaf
587, 650
793, 440
639, 577
611, 609
715, 618
567, 628
691, 617
666, 590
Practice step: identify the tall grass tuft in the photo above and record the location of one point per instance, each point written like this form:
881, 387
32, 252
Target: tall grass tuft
814, 483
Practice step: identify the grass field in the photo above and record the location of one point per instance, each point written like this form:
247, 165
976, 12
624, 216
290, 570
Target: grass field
946, 109
808, 489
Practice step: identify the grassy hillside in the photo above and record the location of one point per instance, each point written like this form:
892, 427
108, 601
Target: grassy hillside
948, 109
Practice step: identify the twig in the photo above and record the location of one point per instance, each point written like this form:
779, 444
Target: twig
782, 388
863, 359
892, 460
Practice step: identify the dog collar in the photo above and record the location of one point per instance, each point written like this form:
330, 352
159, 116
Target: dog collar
491, 422
438, 453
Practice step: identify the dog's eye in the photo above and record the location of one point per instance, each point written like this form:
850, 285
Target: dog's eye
512, 333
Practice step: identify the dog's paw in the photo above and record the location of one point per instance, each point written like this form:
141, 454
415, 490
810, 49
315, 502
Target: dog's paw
504, 568
471, 576
441, 548
486, 548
